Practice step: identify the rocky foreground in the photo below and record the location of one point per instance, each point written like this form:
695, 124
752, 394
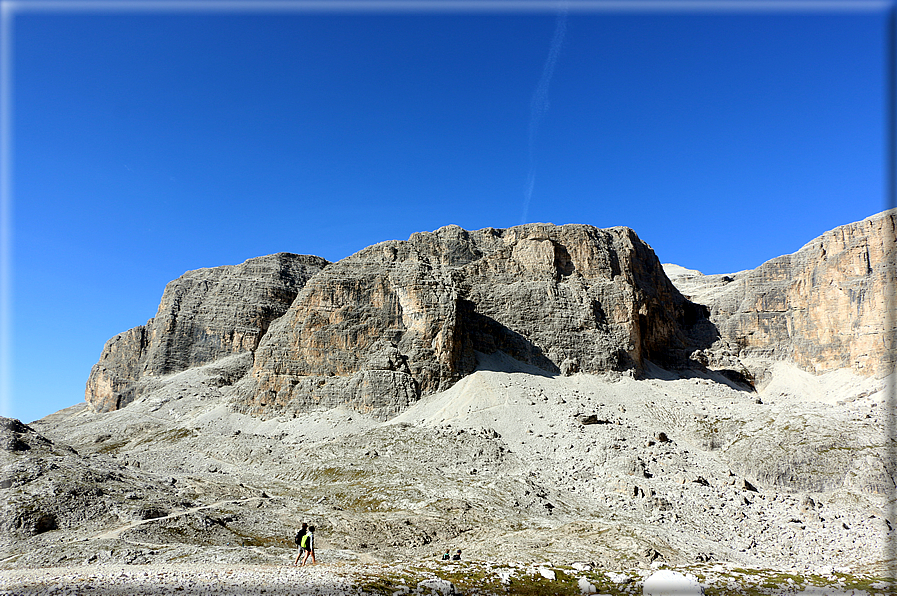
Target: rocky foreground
187, 579
341, 578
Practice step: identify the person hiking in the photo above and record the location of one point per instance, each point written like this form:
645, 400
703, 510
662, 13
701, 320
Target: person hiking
447, 555
298, 540
308, 543
457, 556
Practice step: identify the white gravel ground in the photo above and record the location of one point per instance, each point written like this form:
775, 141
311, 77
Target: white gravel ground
186, 579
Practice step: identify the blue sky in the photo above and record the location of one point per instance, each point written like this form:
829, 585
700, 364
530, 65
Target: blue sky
150, 142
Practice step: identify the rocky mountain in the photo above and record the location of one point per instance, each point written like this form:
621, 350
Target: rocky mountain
403, 319
530, 394
824, 308
509, 464
204, 315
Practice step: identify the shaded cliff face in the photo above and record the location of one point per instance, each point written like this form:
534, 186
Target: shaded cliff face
824, 307
404, 318
204, 315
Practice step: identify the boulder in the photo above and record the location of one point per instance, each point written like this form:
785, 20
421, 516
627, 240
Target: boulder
666, 582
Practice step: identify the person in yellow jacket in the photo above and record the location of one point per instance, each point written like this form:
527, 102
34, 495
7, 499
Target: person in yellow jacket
299, 536
308, 543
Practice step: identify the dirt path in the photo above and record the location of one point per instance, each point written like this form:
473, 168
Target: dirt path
117, 532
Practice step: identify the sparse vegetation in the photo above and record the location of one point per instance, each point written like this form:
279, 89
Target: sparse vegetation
479, 578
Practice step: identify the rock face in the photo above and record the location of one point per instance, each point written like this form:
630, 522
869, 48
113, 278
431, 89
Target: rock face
404, 318
824, 307
204, 315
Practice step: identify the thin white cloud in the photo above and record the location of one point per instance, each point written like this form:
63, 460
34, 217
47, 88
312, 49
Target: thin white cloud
539, 104
6, 45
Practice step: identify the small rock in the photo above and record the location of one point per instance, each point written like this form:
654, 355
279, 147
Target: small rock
744, 484
618, 578
585, 587
547, 573
591, 419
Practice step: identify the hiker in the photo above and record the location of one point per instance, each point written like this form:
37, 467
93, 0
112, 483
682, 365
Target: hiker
308, 543
457, 556
447, 555
298, 540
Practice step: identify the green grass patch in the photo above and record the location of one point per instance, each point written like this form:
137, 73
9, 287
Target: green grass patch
329, 475
110, 446
165, 437
472, 578
481, 579
767, 582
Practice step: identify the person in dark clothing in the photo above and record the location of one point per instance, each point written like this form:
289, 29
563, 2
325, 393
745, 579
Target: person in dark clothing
457, 556
299, 536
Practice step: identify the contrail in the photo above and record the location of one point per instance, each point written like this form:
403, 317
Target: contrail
539, 104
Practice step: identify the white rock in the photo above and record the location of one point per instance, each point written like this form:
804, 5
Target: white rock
618, 578
585, 587
669, 583
547, 573
439, 586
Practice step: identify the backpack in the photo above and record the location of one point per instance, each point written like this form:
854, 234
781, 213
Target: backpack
304, 542
298, 537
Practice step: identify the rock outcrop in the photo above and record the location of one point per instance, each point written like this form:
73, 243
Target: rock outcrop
404, 318
204, 315
824, 307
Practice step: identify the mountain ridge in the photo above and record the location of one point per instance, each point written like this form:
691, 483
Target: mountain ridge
401, 319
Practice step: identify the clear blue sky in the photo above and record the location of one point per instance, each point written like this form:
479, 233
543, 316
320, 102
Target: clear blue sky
149, 143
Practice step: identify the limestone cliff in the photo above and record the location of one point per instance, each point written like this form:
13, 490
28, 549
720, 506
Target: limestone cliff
400, 319
204, 315
404, 318
824, 307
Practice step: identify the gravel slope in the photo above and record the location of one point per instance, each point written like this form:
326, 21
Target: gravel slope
509, 464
